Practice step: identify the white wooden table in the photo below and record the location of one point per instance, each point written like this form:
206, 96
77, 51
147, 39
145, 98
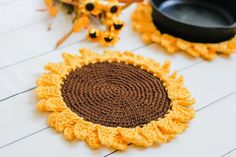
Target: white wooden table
26, 46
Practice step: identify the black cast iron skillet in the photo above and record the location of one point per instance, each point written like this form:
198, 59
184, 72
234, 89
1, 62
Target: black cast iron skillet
196, 20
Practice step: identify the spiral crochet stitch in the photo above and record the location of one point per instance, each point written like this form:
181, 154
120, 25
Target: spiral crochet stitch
115, 94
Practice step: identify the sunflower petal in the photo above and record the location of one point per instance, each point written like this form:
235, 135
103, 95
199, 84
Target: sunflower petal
178, 93
92, 139
110, 137
132, 136
71, 60
65, 119
58, 68
168, 126
181, 113
48, 92
49, 80
51, 104
52, 119
69, 133
83, 129
188, 102
153, 133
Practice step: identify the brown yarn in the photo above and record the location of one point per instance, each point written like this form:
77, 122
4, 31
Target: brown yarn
115, 94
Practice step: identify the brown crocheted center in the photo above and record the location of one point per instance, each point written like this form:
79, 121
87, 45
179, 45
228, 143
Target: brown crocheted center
115, 94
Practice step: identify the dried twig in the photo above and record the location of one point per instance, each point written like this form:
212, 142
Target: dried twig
63, 38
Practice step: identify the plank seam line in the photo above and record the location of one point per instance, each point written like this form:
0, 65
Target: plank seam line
27, 25
228, 152
17, 140
192, 65
39, 55
227, 95
9, 2
11, 96
111, 153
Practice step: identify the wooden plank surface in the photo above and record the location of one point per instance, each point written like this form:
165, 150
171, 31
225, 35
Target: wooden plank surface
26, 46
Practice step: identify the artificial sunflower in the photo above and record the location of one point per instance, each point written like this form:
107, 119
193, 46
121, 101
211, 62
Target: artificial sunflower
113, 99
94, 35
109, 38
92, 7
83, 11
117, 25
113, 8
142, 22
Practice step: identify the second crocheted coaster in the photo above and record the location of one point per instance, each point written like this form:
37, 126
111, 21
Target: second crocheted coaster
114, 99
142, 22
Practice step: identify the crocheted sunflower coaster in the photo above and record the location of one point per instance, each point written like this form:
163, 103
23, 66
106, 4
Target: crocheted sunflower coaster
142, 22
113, 99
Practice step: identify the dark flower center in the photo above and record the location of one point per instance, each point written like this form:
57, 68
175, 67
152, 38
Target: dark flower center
118, 26
114, 9
89, 6
107, 39
93, 35
115, 94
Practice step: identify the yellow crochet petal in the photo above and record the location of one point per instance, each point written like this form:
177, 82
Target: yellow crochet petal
147, 37
48, 92
71, 60
166, 67
204, 51
111, 56
110, 137
51, 104
86, 53
87, 131
83, 129
169, 43
178, 93
92, 139
65, 119
107, 56
49, 80
52, 119
87, 57
176, 81
182, 44
156, 37
151, 132
60, 68
181, 113
154, 67
135, 60
169, 126
69, 133
188, 102
232, 44
131, 135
